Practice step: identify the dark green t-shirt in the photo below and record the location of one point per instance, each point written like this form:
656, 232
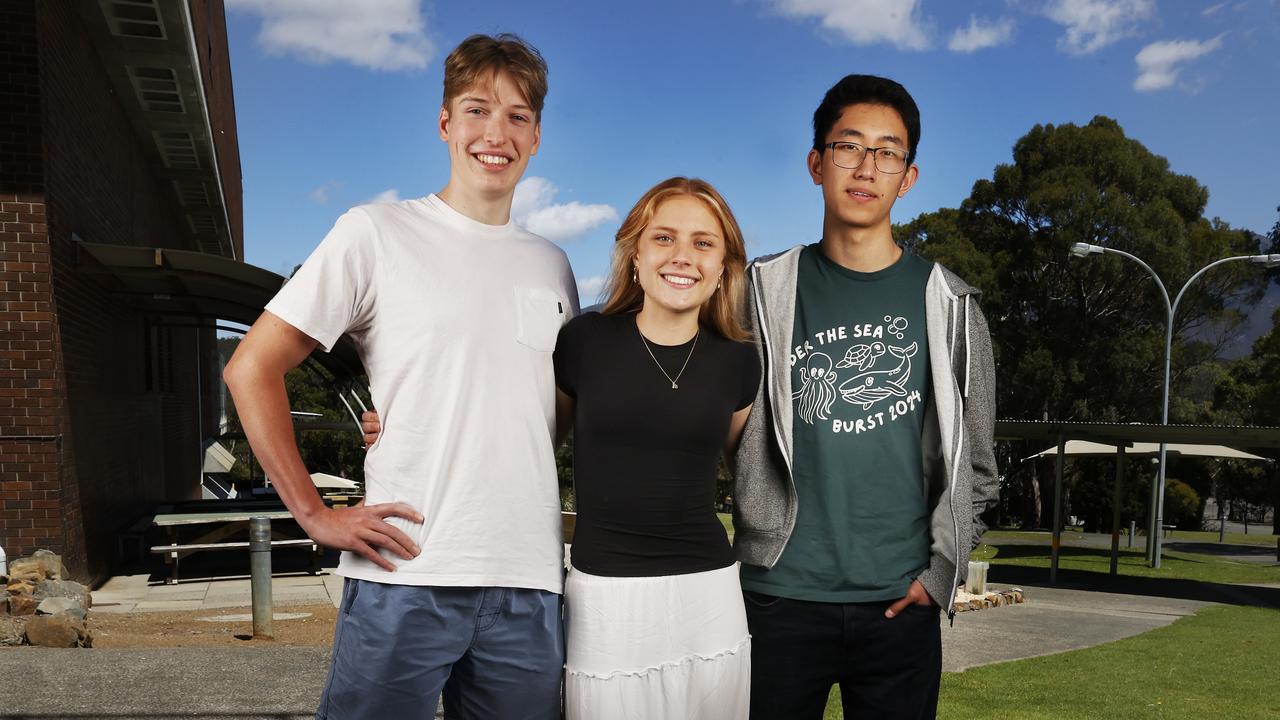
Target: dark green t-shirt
860, 382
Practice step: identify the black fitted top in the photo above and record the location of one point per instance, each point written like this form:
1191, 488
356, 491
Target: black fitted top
645, 455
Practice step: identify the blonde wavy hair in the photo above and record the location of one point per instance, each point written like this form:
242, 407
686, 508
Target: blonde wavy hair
723, 311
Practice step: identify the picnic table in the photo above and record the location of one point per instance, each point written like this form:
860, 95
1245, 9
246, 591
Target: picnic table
211, 527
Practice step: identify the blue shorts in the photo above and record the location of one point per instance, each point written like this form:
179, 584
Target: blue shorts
495, 653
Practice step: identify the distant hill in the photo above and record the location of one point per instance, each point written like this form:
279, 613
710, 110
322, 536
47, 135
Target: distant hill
1258, 324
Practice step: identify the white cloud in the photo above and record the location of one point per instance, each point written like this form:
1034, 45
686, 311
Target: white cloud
981, 35
377, 34
1213, 9
589, 290
533, 207
1158, 62
390, 195
325, 192
863, 22
1094, 24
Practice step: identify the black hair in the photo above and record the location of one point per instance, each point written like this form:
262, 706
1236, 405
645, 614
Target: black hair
871, 89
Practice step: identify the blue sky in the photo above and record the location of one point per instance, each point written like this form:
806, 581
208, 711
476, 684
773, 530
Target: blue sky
336, 102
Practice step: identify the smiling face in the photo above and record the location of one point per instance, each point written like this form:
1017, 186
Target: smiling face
861, 198
491, 132
680, 256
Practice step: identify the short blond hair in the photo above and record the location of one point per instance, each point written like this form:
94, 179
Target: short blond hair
480, 58
723, 311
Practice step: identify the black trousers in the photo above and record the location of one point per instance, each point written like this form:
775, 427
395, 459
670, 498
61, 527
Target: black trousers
886, 669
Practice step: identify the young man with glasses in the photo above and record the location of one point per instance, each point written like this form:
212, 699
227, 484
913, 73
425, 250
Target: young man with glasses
454, 566
864, 469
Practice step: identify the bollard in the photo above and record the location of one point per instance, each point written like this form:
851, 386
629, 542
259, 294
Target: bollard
260, 575
1133, 528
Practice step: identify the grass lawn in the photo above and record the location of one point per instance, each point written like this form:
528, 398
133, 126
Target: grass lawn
727, 521
1173, 565
1253, 538
1220, 663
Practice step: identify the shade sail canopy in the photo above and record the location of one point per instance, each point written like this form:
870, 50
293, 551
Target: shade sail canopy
1255, 438
1092, 449
326, 481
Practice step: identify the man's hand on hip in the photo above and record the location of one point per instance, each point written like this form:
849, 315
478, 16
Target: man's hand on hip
364, 530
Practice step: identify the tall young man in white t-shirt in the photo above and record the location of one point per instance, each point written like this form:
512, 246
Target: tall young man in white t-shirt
454, 564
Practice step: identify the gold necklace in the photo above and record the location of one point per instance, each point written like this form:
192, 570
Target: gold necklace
674, 384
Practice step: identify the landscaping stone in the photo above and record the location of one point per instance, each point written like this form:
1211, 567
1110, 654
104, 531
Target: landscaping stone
56, 631
50, 563
12, 630
22, 605
65, 589
25, 570
993, 598
55, 605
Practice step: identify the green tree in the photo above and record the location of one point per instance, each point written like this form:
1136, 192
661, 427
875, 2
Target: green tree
1084, 339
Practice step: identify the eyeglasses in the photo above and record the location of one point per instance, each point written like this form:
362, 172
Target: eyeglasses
849, 155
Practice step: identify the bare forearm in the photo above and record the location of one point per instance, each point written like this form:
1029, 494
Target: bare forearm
263, 406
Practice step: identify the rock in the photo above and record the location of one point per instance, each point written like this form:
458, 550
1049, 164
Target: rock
12, 631
55, 631
65, 589
22, 605
25, 570
20, 587
55, 605
50, 563
4, 601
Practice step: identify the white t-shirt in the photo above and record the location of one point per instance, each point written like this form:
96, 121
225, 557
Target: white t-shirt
455, 322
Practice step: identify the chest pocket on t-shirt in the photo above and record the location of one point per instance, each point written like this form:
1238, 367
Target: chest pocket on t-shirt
539, 315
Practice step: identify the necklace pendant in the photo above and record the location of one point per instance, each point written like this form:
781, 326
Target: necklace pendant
674, 386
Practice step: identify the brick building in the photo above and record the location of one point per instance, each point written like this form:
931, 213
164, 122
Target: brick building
117, 128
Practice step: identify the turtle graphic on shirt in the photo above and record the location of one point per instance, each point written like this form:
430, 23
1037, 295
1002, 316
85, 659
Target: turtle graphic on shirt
817, 388
862, 355
868, 388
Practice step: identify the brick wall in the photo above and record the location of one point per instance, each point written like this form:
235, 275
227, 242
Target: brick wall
33, 510
88, 440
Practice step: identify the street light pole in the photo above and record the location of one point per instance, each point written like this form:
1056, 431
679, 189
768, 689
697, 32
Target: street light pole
1157, 501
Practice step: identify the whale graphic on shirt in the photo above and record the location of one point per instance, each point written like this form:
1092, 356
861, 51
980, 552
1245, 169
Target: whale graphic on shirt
869, 388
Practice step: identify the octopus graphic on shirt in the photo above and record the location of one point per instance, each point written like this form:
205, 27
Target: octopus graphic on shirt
872, 370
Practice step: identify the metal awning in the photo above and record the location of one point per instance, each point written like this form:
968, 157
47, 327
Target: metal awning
179, 286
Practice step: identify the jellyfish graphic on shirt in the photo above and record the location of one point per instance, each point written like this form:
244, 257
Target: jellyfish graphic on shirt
817, 388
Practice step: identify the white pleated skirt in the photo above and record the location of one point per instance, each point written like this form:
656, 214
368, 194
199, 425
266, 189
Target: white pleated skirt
656, 648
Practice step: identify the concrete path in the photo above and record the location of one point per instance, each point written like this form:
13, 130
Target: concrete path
135, 593
284, 683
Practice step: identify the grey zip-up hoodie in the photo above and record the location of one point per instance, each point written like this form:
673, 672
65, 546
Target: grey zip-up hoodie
959, 456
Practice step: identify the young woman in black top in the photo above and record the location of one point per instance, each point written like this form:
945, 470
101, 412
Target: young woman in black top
657, 385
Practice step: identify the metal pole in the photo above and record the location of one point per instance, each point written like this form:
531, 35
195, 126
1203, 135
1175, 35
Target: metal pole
1133, 530
1222, 525
1164, 409
1115, 512
1057, 513
260, 575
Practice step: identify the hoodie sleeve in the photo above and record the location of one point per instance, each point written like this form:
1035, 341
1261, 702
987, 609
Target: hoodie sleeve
979, 420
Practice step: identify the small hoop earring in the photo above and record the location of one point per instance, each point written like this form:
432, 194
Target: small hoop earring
634, 279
